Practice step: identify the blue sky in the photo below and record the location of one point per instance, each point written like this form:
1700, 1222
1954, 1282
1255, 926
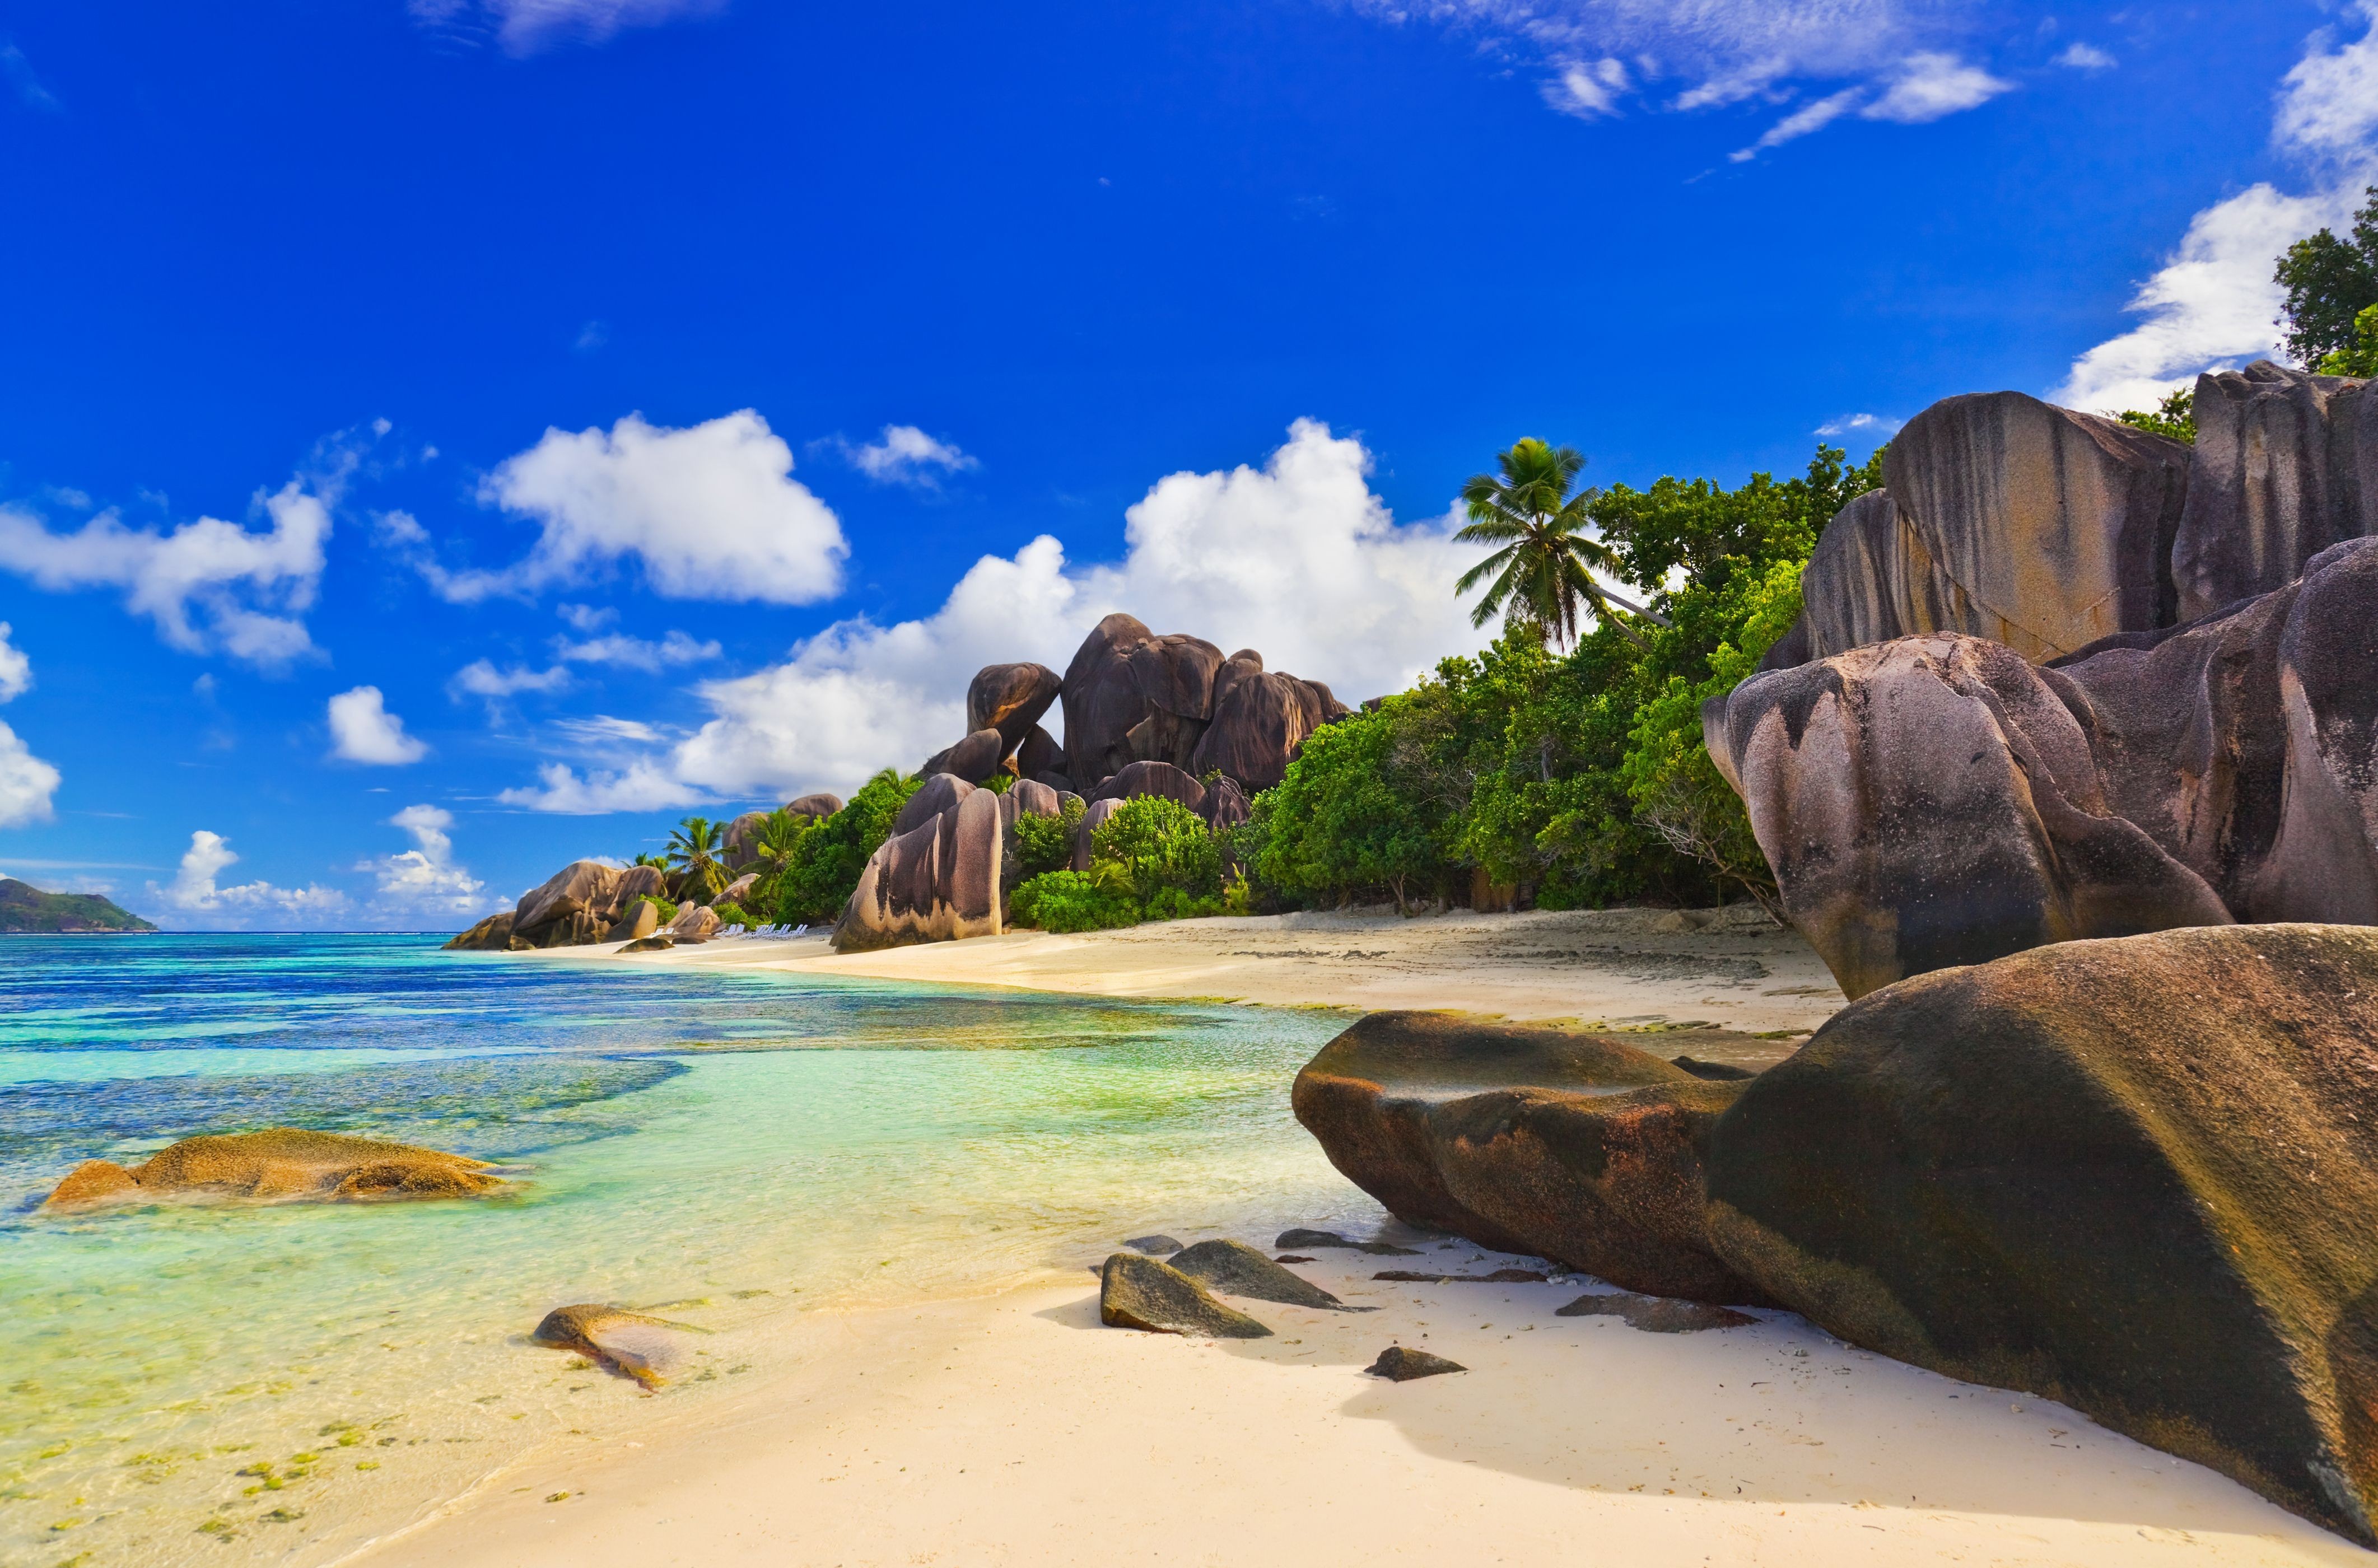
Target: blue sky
439, 440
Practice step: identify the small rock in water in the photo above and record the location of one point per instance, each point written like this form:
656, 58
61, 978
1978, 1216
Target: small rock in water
279, 1165
646, 1350
1294, 1258
1655, 1314
1154, 1246
1399, 1365
1136, 1291
1299, 1238
1500, 1276
650, 944
1236, 1269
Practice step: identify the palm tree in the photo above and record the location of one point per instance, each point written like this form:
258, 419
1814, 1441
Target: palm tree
772, 847
693, 851
1543, 573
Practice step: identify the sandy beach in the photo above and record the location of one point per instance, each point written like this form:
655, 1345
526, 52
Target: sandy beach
1016, 1430
1700, 975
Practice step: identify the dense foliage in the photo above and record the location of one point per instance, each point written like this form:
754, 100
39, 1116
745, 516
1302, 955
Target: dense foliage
1153, 859
824, 864
2175, 417
2330, 281
1574, 779
1046, 844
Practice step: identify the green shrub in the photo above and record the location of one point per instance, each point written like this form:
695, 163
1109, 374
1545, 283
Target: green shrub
824, 865
998, 783
667, 910
733, 915
1047, 842
1096, 899
1158, 845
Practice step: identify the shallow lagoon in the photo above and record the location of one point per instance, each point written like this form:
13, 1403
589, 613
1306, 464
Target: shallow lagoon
736, 1146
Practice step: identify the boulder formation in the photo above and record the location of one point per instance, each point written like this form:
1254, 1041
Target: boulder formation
1010, 698
577, 904
2137, 1175
1137, 1291
1542, 1141
947, 876
278, 1164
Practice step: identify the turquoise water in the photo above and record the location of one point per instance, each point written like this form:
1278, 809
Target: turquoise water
739, 1146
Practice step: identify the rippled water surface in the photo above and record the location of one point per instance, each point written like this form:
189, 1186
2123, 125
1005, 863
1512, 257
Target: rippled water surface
281, 1384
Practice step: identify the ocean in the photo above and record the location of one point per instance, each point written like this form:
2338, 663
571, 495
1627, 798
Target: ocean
283, 1384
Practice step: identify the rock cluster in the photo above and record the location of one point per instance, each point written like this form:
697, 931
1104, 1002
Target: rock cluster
277, 1165
2139, 1175
2062, 678
1143, 715
577, 904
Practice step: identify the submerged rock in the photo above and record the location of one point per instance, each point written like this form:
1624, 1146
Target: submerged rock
650, 1350
1655, 1314
1398, 1364
1298, 1237
2138, 1176
1236, 1269
1136, 1291
279, 1165
1154, 1246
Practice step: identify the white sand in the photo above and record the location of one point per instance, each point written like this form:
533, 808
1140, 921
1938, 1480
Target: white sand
1015, 1429
1612, 967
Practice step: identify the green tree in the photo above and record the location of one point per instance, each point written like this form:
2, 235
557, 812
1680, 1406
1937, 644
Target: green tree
1160, 844
2358, 357
1543, 570
1349, 818
2175, 417
694, 854
2330, 281
1046, 844
772, 850
823, 870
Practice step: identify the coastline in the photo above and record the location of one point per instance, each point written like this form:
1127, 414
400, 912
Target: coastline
1734, 974
1015, 1428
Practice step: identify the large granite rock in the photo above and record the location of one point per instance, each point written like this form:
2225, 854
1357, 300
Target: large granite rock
1260, 721
1085, 835
1236, 1269
1152, 778
1010, 698
2005, 518
695, 923
975, 759
1131, 696
938, 882
2246, 744
279, 1165
1039, 754
492, 935
820, 804
1934, 801
1541, 1142
2139, 1177
2286, 465
587, 886
635, 883
1225, 806
639, 921
740, 845
939, 793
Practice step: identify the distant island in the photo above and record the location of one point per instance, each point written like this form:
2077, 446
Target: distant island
24, 908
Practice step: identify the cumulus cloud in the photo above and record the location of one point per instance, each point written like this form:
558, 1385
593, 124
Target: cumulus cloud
1586, 89
425, 881
209, 585
27, 784
481, 678
2214, 304
905, 455
1297, 558
524, 27
193, 893
363, 730
710, 511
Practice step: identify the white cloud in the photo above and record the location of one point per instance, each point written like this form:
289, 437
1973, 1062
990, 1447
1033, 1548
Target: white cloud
363, 730
586, 618
1298, 559
602, 729
2084, 57
27, 784
711, 511
2214, 304
1586, 89
1806, 121
30, 91
425, 881
193, 892
15, 669
209, 585
523, 27
481, 678
636, 653
1875, 425
905, 455
1927, 87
